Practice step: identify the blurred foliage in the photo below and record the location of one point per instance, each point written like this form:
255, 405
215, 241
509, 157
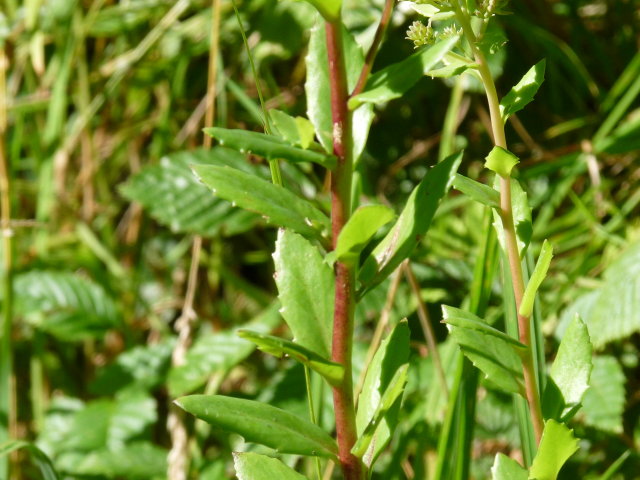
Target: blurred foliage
106, 105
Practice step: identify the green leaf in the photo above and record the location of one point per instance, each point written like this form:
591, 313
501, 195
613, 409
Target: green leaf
358, 231
538, 275
412, 224
556, 446
463, 319
319, 93
217, 352
279, 347
295, 130
174, 197
523, 93
268, 146
394, 80
505, 468
490, 350
136, 460
379, 425
391, 355
603, 403
572, 366
306, 291
329, 9
252, 466
612, 312
477, 191
39, 457
143, 367
261, 423
278, 205
501, 161
68, 306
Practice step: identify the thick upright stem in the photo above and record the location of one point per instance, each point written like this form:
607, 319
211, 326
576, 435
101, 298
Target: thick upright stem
344, 291
506, 214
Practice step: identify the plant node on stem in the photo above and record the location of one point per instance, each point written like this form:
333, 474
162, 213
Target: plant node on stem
341, 178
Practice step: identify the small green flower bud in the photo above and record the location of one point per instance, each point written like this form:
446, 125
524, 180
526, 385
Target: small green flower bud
420, 34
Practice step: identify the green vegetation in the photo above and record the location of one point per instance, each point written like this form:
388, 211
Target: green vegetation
319, 239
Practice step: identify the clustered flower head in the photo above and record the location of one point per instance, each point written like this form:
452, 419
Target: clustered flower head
420, 34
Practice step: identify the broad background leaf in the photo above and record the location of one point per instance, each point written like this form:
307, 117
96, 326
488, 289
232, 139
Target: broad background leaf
217, 352
603, 403
68, 306
174, 197
252, 466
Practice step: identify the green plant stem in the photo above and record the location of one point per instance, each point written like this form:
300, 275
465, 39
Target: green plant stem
375, 45
274, 166
506, 214
7, 415
341, 179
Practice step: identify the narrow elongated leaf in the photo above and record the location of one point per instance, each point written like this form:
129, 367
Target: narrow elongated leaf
39, 457
268, 146
252, 466
391, 395
278, 205
216, 352
463, 319
538, 275
412, 224
261, 423
478, 191
556, 446
279, 347
572, 367
523, 93
319, 93
175, 198
359, 229
505, 468
394, 80
392, 354
603, 403
306, 291
67, 306
491, 351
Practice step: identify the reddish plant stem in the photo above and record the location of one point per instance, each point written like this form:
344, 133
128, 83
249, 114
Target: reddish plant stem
506, 214
373, 50
341, 178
